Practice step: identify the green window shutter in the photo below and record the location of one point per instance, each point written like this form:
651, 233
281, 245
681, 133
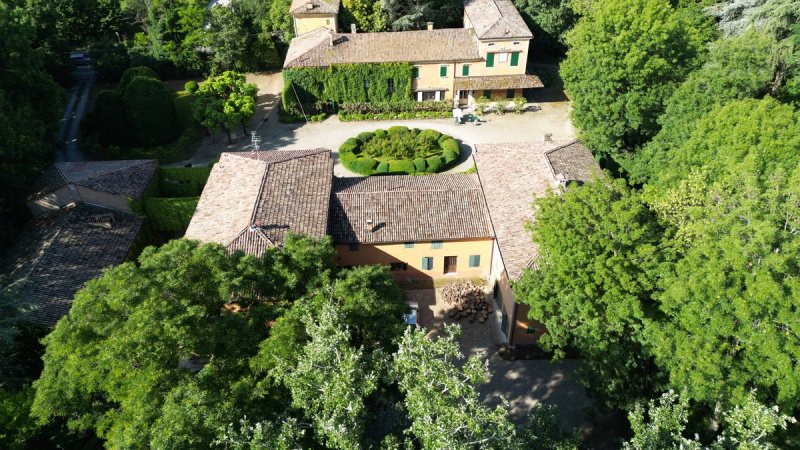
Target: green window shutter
443, 71
515, 59
490, 60
474, 260
465, 70
415, 73
488, 94
427, 263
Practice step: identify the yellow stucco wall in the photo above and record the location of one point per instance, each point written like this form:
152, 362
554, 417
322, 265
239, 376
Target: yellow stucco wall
430, 79
303, 23
389, 253
516, 314
501, 67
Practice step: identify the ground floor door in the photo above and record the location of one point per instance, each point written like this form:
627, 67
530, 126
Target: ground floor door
450, 264
463, 97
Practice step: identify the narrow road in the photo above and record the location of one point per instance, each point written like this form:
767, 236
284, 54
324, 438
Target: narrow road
69, 130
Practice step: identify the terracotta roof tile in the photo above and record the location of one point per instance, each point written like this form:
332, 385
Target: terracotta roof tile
273, 191
313, 49
496, 19
498, 82
317, 7
127, 178
512, 175
572, 162
408, 208
58, 253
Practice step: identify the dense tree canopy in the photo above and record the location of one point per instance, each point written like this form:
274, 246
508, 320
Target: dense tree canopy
625, 59
736, 67
30, 106
600, 260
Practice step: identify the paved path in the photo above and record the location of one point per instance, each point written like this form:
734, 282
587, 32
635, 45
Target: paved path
524, 384
69, 130
550, 118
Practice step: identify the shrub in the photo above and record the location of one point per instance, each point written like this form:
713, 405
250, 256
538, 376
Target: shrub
170, 215
449, 157
404, 166
500, 105
398, 129
182, 181
150, 109
434, 164
110, 123
351, 145
419, 165
481, 104
450, 145
191, 86
380, 133
363, 166
519, 105
382, 168
133, 72
365, 136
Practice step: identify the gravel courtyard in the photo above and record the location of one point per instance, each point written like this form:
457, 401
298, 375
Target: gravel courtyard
549, 115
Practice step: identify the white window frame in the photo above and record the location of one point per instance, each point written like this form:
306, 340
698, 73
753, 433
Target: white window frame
502, 57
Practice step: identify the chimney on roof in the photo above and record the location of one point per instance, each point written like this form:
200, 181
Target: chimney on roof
309, 5
430, 26
370, 225
330, 37
548, 137
352, 28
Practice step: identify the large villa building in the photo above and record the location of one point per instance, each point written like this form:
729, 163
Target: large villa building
444, 226
485, 58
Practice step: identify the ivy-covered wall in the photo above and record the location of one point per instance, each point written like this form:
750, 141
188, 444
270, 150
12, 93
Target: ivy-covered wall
347, 83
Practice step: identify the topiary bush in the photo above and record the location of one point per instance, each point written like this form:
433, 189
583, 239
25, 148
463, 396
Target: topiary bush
403, 166
365, 136
133, 72
434, 164
364, 166
150, 109
191, 86
110, 124
403, 150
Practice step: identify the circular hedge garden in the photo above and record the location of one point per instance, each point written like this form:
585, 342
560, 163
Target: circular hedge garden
399, 150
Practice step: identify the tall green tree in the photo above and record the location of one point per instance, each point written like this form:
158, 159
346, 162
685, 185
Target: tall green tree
237, 41
600, 255
171, 35
226, 100
733, 295
156, 354
440, 395
30, 107
663, 424
331, 379
736, 67
625, 58
549, 20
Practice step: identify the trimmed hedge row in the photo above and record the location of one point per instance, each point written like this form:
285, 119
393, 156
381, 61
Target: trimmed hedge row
183, 181
353, 117
446, 151
170, 215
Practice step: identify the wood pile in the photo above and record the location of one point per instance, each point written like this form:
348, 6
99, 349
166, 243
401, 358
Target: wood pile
468, 301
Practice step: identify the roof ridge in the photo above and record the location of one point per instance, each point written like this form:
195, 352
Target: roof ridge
257, 199
572, 142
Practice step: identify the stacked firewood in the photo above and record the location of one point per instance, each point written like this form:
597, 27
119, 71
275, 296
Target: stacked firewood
468, 301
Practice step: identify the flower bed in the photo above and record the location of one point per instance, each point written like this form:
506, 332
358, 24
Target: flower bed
399, 150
